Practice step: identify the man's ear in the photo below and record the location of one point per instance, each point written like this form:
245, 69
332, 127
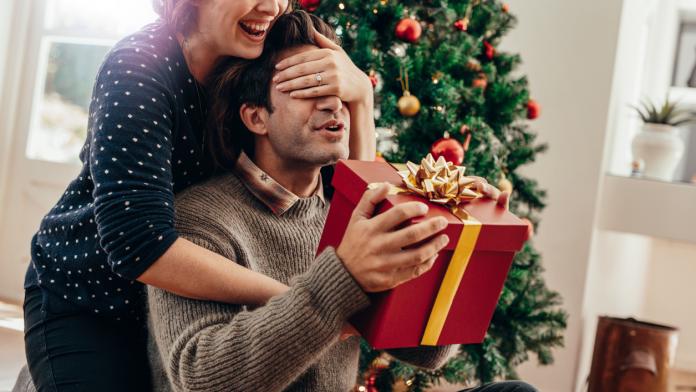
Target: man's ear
254, 118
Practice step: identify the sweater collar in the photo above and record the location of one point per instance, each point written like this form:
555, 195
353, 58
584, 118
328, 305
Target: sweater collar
266, 189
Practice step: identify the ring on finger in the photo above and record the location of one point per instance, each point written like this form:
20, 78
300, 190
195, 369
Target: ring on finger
318, 78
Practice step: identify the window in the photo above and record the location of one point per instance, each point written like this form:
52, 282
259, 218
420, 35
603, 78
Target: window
76, 35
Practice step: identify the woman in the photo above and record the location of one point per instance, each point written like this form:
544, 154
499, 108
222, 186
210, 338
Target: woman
113, 228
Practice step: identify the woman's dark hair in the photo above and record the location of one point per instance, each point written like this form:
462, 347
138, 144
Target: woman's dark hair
235, 82
180, 15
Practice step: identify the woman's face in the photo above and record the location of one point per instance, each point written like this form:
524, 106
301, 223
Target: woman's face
238, 27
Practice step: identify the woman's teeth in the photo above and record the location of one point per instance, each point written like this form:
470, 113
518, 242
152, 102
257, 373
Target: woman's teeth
254, 28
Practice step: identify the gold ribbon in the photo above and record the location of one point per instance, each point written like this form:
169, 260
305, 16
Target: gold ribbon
444, 183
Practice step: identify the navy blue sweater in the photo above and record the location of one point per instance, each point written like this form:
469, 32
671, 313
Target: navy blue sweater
144, 143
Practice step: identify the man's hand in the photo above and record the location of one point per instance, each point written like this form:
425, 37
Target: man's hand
491, 192
348, 331
380, 256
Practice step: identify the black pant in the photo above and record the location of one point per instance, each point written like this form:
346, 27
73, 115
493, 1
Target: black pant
74, 351
507, 386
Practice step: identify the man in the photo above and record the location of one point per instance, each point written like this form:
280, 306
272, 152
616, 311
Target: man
267, 213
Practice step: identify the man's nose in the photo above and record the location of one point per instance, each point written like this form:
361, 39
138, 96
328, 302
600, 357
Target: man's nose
330, 104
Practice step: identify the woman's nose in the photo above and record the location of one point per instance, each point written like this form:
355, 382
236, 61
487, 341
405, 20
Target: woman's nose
271, 7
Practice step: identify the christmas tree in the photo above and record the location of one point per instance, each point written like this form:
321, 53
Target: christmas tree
441, 86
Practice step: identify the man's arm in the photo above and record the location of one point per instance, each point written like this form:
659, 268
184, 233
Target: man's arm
209, 346
424, 357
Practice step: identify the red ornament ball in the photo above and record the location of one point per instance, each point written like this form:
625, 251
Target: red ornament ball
462, 24
310, 5
489, 50
408, 29
450, 149
533, 109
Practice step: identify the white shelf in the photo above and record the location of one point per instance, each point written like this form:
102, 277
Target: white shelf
649, 207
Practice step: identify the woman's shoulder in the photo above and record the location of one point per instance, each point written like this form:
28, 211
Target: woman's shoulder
153, 50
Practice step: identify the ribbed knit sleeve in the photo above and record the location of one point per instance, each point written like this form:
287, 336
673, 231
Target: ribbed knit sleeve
130, 158
424, 357
207, 346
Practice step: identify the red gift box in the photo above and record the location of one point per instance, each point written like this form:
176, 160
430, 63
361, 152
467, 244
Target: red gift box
453, 303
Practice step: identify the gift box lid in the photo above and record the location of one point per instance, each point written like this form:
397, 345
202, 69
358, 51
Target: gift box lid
500, 231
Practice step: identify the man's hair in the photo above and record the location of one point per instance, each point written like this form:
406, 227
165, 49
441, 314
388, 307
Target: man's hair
180, 15
236, 82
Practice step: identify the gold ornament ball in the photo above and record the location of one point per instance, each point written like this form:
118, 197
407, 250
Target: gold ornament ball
409, 105
505, 185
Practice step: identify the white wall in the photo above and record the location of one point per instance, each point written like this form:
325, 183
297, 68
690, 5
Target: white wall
568, 48
5, 14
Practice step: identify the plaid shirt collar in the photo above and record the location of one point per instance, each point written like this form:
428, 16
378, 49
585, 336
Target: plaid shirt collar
266, 189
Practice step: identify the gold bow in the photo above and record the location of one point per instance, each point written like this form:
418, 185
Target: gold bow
440, 182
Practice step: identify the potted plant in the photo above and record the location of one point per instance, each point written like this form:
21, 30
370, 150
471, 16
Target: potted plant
658, 143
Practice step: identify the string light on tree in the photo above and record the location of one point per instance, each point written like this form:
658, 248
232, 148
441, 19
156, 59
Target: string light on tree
436, 77
408, 104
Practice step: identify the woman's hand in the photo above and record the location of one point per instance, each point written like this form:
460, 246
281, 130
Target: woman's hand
338, 75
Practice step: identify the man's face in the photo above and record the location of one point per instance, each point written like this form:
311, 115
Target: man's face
312, 131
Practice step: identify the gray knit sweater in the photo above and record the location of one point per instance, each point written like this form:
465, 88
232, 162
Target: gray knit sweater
291, 343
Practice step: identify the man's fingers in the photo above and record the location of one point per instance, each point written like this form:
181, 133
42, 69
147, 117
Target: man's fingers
412, 257
403, 275
368, 202
487, 189
415, 233
399, 214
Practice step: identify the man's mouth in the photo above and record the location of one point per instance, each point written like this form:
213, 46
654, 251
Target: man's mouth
331, 126
255, 29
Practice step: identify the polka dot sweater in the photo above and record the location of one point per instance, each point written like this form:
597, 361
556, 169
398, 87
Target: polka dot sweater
144, 143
